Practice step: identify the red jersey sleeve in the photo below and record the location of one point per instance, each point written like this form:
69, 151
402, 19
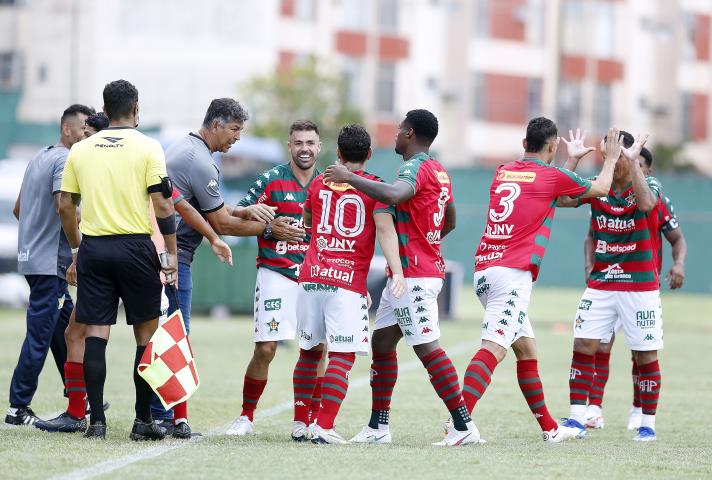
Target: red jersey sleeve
176, 196
570, 183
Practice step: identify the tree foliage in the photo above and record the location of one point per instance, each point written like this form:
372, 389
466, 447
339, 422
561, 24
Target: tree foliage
306, 91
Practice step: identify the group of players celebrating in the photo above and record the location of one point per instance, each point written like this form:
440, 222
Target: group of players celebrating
316, 237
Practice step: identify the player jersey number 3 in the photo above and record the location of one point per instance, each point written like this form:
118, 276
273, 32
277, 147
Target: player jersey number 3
511, 192
339, 214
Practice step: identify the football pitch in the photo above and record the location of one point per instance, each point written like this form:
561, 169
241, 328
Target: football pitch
514, 448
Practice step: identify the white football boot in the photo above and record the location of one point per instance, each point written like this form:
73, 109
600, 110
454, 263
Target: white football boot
456, 438
594, 417
372, 435
241, 426
301, 432
326, 437
560, 434
634, 418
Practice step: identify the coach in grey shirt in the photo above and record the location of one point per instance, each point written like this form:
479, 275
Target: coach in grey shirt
197, 177
43, 257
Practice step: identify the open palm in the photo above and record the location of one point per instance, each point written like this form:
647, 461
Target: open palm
575, 145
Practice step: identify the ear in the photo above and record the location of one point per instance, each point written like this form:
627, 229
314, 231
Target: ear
524, 144
338, 154
370, 152
215, 125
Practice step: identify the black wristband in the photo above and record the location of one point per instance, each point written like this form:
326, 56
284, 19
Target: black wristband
267, 234
166, 225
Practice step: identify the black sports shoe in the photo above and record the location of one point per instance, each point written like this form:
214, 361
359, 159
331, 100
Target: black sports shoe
64, 422
105, 406
21, 416
182, 431
146, 431
96, 430
166, 424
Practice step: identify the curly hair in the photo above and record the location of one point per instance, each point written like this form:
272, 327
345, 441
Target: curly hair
354, 142
423, 123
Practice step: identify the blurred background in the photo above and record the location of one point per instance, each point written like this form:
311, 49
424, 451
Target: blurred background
484, 67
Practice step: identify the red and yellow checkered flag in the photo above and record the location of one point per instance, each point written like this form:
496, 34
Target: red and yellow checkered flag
168, 364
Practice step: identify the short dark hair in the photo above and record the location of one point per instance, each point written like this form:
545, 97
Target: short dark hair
303, 126
120, 98
647, 156
539, 131
225, 110
628, 139
354, 142
98, 121
423, 123
74, 110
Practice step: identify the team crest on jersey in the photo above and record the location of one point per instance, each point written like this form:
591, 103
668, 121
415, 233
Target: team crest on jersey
630, 199
520, 177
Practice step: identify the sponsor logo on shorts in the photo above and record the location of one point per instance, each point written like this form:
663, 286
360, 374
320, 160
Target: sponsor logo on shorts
365, 329
645, 319
482, 286
616, 272
418, 299
403, 316
423, 320
273, 304
579, 322
511, 303
407, 332
425, 330
318, 287
604, 247
305, 335
365, 318
364, 307
521, 317
514, 293
585, 304
649, 338
273, 325
615, 224
519, 177
365, 340
332, 273
417, 288
648, 386
420, 309
500, 332
504, 322
507, 312
341, 339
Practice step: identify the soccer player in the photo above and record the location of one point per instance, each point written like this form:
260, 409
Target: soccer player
43, 257
115, 176
624, 284
332, 303
520, 217
278, 192
675, 278
197, 177
425, 213
95, 123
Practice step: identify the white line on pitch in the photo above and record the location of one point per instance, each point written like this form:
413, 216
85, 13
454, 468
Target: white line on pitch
102, 468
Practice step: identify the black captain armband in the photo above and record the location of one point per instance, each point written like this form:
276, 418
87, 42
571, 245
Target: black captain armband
166, 225
165, 188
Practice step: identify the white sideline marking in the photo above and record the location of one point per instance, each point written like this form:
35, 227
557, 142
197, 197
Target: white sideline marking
102, 468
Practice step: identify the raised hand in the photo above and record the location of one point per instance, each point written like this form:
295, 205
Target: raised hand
575, 145
612, 145
632, 153
336, 173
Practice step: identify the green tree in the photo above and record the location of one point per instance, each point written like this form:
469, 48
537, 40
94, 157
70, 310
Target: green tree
306, 91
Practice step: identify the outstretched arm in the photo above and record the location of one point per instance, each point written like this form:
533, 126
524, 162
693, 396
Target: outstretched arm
196, 220
390, 194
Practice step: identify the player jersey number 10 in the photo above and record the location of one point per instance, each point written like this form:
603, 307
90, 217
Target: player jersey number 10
339, 209
511, 192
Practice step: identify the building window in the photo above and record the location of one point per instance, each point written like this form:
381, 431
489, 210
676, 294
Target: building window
697, 36
354, 14
589, 28
385, 87
481, 18
479, 96
569, 108
352, 77
388, 15
534, 97
305, 10
602, 117
9, 74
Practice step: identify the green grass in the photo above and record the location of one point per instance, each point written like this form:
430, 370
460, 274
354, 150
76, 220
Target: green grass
514, 447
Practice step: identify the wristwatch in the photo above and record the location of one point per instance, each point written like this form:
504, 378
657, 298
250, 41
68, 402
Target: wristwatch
267, 234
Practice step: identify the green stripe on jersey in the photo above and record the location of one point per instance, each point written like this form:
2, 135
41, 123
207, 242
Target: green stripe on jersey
401, 216
631, 277
622, 237
624, 257
270, 253
403, 238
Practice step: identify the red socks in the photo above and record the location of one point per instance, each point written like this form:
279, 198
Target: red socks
600, 377
533, 391
180, 412
443, 377
478, 377
636, 388
315, 403
580, 378
649, 380
384, 374
336, 383
304, 381
76, 389
251, 392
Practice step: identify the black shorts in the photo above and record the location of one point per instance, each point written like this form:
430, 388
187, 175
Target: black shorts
113, 267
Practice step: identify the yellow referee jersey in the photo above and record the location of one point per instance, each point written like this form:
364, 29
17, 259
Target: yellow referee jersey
112, 171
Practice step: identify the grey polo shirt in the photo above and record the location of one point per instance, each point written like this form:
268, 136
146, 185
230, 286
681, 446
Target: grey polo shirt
195, 174
42, 248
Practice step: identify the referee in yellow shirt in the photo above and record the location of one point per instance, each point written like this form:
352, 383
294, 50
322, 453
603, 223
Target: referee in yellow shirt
114, 173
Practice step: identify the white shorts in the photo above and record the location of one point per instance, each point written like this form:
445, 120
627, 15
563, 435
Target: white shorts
616, 329
639, 313
504, 293
275, 306
334, 316
416, 311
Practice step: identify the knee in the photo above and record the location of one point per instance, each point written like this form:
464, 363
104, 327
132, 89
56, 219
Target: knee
265, 351
73, 334
643, 358
586, 346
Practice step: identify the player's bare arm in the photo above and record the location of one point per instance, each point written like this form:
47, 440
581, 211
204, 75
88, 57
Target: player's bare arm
16, 209
165, 218
388, 239
225, 224
644, 197
68, 216
588, 255
576, 148
676, 276
390, 194
258, 212
195, 220
450, 220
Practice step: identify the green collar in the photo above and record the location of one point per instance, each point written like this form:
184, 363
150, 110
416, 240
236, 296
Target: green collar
422, 156
535, 160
